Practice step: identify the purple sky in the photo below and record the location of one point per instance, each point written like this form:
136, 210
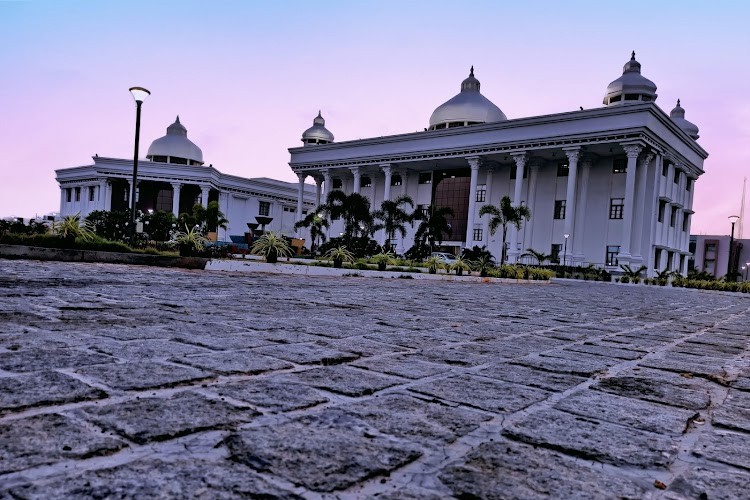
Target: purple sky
247, 77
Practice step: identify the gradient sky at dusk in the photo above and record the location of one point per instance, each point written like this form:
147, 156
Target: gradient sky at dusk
248, 77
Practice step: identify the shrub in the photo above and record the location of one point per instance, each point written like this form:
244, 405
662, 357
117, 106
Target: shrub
271, 246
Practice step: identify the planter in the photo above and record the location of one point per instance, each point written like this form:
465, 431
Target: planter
459, 272
272, 258
338, 263
381, 266
432, 270
186, 250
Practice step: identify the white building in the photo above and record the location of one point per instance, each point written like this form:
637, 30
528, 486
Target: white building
174, 178
618, 180
710, 254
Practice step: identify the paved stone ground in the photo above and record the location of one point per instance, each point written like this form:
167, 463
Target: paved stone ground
131, 382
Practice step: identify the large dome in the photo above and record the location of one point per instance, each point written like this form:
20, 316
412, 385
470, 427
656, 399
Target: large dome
318, 133
175, 147
631, 87
468, 107
678, 116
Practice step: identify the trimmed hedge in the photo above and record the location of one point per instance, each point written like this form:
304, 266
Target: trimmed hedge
724, 286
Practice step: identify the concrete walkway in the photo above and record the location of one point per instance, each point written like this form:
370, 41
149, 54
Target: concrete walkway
132, 382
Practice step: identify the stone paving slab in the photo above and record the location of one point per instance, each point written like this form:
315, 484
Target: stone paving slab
49, 438
42, 389
157, 419
346, 450
130, 382
143, 375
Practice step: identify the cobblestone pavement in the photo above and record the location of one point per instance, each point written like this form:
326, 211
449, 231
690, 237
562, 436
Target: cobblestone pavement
133, 382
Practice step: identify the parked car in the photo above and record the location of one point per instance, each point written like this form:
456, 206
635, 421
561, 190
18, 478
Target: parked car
446, 258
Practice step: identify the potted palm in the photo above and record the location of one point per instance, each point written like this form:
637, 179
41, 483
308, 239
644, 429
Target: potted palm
483, 264
73, 227
271, 245
383, 259
460, 265
339, 255
190, 241
433, 264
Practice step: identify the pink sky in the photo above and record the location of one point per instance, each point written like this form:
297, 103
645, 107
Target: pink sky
247, 78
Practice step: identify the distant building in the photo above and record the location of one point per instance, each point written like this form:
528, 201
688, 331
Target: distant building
618, 180
174, 178
711, 254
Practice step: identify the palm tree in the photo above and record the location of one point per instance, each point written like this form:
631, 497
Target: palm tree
393, 217
215, 218
354, 209
433, 226
539, 256
503, 215
317, 223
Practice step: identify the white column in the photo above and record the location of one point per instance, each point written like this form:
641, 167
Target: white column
387, 191
570, 196
488, 200
108, 195
326, 184
357, 179
632, 150
300, 195
653, 210
101, 192
578, 229
318, 183
63, 201
640, 208
531, 203
176, 188
404, 180
474, 166
204, 195
520, 159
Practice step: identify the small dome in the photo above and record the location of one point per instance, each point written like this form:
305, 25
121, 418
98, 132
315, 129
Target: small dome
678, 117
175, 147
468, 107
318, 133
631, 87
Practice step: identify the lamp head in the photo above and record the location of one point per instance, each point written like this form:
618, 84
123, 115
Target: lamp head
566, 236
734, 218
139, 93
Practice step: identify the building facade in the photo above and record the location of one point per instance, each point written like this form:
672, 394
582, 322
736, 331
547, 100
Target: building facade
711, 254
617, 180
173, 178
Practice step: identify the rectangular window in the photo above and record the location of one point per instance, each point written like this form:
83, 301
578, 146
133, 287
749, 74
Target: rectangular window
673, 217
615, 208
611, 256
78, 194
396, 180
662, 208
68, 194
92, 192
420, 212
481, 193
477, 235
689, 185
670, 260
685, 222
425, 178
563, 168
657, 259
337, 183
665, 169
619, 165
682, 263
264, 208
677, 174
559, 209
555, 251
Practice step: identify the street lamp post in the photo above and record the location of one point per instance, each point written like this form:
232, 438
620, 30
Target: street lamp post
565, 250
139, 94
730, 266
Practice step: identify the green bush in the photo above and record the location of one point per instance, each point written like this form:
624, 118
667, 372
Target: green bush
413, 270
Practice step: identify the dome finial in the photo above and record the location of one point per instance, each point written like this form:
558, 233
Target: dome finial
178, 119
632, 56
678, 102
471, 72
